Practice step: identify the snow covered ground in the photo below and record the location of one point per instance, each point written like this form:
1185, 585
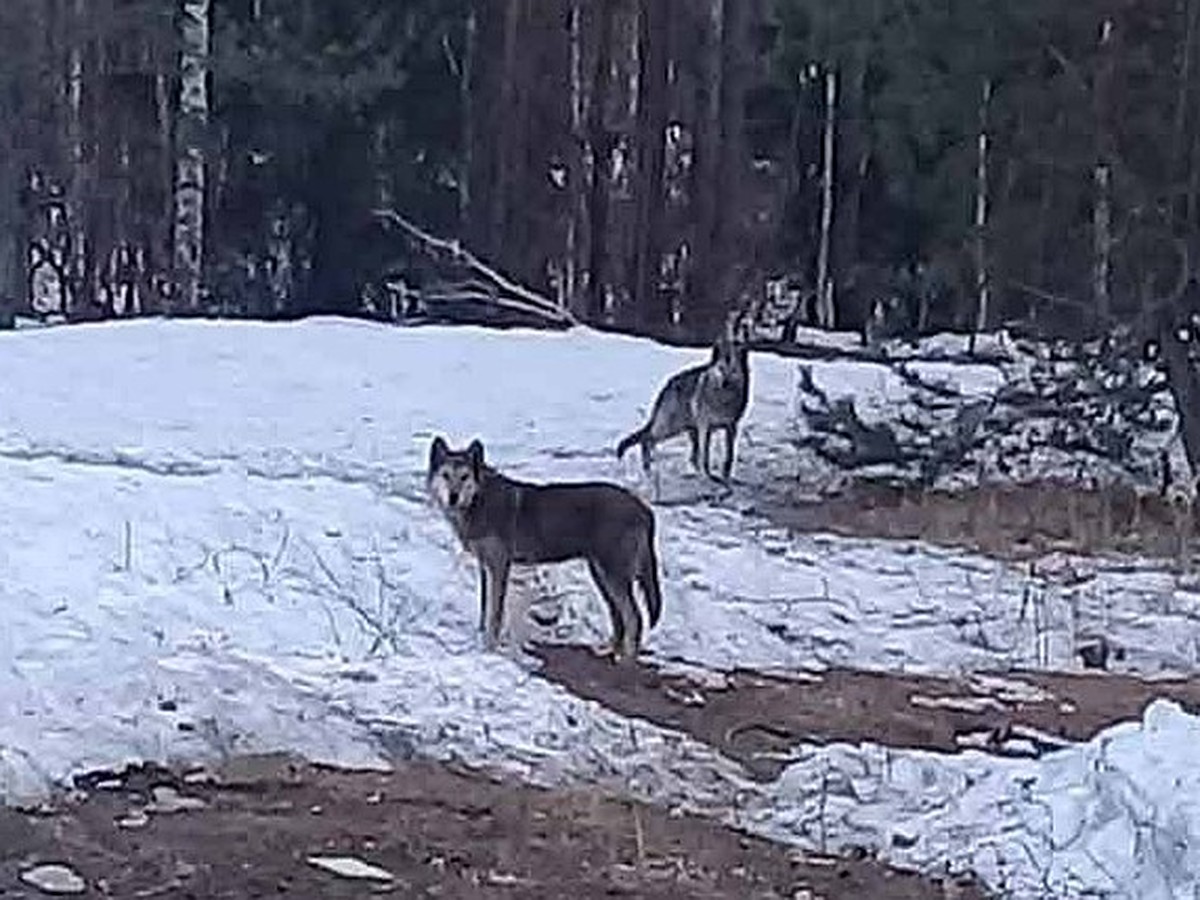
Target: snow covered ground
215, 540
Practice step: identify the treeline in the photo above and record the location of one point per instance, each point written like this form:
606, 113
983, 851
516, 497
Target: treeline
643, 163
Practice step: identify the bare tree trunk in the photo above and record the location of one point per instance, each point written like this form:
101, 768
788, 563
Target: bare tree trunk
12, 243
622, 236
1102, 238
507, 137
574, 265
734, 235
1184, 170
190, 155
602, 144
1183, 376
380, 151
1187, 134
794, 172
1101, 178
467, 112
163, 227
1193, 183
1190, 10
706, 167
825, 307
76, 264
105, 231
654, 19
1184, 381
851, 165
481, 123
982, 277
26, 26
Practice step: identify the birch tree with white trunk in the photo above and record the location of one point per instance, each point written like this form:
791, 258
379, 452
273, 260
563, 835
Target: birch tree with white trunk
195, 26
983, 281
825, 307
76, 264
577, 178
1101, 176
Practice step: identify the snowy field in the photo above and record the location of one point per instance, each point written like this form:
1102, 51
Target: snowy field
215, 540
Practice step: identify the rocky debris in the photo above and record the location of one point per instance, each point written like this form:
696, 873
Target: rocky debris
167, 800
350, 867
136, 818
54, 878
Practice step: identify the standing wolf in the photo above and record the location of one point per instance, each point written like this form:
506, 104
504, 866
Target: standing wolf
700, 400
502, 521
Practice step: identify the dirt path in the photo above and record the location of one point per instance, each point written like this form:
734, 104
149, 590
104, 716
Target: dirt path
754, 718
439, 832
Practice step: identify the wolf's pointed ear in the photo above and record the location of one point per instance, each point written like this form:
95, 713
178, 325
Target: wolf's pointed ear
475, 454
437, 452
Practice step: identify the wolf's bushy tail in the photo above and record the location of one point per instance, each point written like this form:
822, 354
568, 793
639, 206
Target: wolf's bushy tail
628, 441
647, 578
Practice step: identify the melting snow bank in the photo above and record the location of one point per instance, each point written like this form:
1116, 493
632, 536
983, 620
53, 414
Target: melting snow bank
1117, 816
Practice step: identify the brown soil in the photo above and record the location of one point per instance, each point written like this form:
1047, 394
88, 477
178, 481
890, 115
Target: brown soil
439, 832
1010, 522
754, 718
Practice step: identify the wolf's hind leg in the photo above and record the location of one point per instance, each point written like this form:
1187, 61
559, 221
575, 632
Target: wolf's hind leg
618, 625
617, 590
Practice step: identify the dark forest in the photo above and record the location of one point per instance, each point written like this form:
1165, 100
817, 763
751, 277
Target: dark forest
643, 165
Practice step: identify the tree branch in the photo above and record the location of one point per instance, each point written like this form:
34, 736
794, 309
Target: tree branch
520, 298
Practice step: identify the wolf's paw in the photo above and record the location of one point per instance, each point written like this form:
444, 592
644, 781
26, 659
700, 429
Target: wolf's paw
605, 650
626, 658
490, 642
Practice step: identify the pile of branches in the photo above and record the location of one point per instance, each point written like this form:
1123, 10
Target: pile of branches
1100, 409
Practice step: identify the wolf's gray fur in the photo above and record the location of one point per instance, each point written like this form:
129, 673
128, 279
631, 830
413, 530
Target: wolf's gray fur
503, 522
698, 401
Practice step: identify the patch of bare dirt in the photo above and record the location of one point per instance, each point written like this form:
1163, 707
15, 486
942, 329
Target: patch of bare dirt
755, 718
435, 831
1008, 522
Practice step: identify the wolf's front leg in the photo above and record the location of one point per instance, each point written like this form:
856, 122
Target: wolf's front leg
706, 449
484, 596
730, 444
497, 588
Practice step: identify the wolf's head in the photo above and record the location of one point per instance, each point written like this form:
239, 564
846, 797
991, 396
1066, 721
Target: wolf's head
454, 475
731, 351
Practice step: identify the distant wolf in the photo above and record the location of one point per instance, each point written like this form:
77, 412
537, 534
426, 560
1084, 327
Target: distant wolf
700, 400
502, 522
